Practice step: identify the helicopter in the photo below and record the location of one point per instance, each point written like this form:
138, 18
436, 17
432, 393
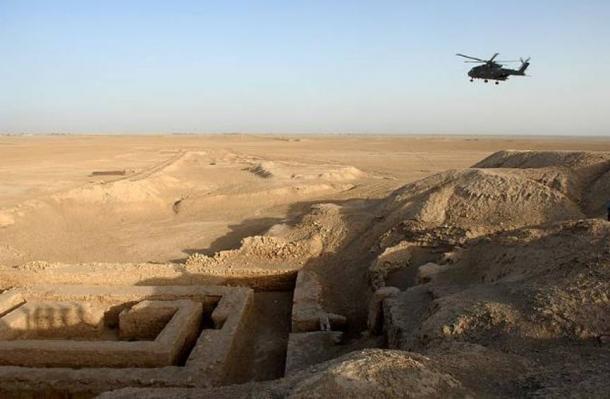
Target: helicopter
493, 70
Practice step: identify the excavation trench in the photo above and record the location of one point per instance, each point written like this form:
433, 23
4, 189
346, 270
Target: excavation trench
262, 355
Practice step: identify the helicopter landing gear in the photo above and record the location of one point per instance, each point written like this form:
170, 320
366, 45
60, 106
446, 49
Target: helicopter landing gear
472, 80
486, 80
497, 83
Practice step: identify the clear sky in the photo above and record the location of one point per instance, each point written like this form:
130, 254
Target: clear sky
147, 66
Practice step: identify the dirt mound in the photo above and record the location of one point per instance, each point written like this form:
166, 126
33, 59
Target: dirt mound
508, 190
302, 171
283, 247
151, 191
539, 293
583, 176
380, 374
345, 173
481, 201
586, 161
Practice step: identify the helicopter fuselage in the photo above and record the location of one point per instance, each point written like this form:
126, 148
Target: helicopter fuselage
493, 71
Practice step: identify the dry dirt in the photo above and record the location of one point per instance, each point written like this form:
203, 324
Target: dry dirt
479, 266
185, 194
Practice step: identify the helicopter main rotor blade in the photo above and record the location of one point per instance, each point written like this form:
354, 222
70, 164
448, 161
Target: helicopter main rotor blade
469, 57
494, 57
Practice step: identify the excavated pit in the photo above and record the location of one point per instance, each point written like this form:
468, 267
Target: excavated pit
133, 336
42, 335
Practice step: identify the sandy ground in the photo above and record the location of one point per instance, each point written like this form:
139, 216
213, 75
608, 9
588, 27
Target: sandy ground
489, 256
181, 194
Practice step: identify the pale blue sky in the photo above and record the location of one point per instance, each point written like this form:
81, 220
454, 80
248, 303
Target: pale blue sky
298, 67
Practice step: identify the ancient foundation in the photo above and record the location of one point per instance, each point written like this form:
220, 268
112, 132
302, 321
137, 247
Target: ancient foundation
99, 327
63, 340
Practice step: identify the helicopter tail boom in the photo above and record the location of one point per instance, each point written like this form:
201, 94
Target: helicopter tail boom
524, 65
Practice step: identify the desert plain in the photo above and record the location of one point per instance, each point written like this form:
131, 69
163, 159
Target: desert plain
304, 266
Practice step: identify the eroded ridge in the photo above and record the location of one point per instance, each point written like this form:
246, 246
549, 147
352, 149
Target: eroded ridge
86, 339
